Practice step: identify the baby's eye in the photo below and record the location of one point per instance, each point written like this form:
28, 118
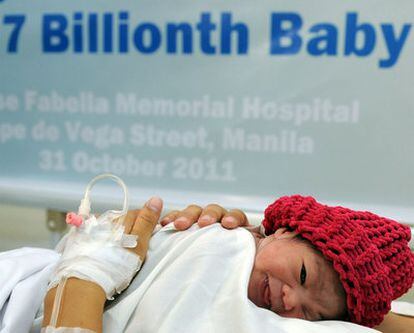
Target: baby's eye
303, 275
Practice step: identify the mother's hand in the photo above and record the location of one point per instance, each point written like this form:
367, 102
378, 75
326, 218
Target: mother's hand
212, 213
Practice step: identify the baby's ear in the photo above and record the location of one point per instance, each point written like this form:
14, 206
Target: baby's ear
284, 233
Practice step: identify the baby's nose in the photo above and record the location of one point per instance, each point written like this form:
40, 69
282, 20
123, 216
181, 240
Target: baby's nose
291, 301
287, 298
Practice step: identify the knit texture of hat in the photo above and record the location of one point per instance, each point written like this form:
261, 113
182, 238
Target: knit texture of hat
370, 253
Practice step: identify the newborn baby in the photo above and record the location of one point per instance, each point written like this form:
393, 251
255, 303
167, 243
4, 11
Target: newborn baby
291, 278
321, 262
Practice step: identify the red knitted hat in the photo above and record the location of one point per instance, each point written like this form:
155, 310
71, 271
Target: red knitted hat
369, 252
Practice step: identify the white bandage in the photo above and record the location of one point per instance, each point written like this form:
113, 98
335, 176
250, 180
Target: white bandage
96, 251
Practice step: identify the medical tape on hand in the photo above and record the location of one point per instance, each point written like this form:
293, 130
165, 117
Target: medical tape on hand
96, 251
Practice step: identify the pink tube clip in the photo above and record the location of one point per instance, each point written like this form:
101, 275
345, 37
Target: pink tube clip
74, 219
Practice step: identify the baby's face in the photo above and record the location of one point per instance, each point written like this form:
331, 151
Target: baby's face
294, 280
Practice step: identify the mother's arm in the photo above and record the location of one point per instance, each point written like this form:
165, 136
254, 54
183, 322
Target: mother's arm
394, 323
83, 301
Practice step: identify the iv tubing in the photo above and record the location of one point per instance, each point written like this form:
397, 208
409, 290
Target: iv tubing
85, 206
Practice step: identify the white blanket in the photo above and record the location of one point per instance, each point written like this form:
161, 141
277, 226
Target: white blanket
23, 281
192, 281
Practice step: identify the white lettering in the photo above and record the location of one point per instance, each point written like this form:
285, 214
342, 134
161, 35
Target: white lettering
101, 137
10, 132
151, 136
9, 103
127, 165
283, 142
319, 110
54, 102
205, 107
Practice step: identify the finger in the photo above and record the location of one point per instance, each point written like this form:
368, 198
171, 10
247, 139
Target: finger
211, 214
145, 223
129, 220
284, 233
170, 217
234, 218
187, 217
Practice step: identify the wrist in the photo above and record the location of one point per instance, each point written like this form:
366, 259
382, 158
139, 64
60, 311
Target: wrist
85, 287
82, 304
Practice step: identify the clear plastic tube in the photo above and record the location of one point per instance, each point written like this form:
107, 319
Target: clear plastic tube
57, 302
85, 206
51, 329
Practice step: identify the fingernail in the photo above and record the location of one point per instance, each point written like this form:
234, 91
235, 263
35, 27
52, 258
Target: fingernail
182, 223
230, 221
207, 219
181, 219
166, 219
164, 222
155, 204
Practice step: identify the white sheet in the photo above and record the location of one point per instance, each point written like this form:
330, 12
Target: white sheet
23, 280
403, 308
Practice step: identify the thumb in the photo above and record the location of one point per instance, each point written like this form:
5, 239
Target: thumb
145, 223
